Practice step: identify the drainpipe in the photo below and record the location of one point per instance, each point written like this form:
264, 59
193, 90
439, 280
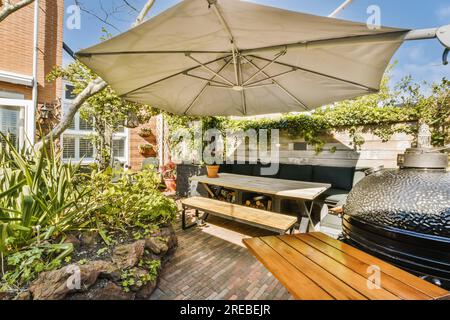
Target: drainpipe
161, 133
35, 69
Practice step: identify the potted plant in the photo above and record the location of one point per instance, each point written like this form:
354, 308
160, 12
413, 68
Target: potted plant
169, 174
145, 132
212, 170
147, 150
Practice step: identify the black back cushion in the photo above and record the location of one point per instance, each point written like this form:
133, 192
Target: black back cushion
226, 168
339, 177
257, 171
295, 172
243, 169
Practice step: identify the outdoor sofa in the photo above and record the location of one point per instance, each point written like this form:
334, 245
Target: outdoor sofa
342, 179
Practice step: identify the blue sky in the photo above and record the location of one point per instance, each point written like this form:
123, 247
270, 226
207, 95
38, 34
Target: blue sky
421, 59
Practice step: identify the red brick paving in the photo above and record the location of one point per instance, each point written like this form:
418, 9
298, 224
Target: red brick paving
207, 267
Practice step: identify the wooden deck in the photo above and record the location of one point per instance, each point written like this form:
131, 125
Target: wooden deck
316, 267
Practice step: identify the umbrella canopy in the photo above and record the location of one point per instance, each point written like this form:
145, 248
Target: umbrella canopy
230, 57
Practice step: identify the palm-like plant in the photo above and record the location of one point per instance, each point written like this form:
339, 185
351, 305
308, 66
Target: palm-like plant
39, 198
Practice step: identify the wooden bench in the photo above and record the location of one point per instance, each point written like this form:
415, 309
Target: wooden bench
258, 218
316, 267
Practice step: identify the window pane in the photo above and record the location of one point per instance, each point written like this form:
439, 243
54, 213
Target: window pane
9, 123
69, 148
86, 125
86, 149
119, 148
69, 92
120, 129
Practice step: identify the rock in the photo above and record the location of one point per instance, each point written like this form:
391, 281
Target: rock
55, 285
146, 291
25, 295
167, 233
127, 256
104, 290
71, 238
6, 296
157, 245
90, 238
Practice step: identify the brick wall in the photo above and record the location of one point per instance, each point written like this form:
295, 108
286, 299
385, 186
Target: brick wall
16, 54
136, 158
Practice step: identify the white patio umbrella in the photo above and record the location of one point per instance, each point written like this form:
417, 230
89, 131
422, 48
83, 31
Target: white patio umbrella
229, 57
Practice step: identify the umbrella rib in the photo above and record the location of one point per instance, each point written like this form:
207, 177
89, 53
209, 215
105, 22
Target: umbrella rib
204, 88
319, 74
216, 74
304, 106
349, 40
265, 67
234, 48
270, 78
171, 76
209, 80
90, 54
244, 99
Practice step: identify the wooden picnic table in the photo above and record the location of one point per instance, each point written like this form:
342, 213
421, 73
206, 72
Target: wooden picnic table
277, 189
315, 266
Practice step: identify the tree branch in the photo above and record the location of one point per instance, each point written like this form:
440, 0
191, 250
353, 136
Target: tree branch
7, 8
92, 88
144, 12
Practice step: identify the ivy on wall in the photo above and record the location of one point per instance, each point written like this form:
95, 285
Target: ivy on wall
391, 111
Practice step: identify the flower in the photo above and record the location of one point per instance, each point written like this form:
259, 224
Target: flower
169, 171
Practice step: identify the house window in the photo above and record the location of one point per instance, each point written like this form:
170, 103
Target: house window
86, 149
9, 123
69, 151
119, 148
69, 95
77, 140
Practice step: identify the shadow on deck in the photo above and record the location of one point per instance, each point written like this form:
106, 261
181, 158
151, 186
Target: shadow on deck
212, 263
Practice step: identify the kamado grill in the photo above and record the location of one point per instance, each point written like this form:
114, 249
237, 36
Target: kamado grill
403, 216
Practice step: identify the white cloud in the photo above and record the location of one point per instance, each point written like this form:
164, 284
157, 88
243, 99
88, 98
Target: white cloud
443, 13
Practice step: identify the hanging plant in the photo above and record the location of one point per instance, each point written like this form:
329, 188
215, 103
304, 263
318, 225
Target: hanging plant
145, 132
147, 150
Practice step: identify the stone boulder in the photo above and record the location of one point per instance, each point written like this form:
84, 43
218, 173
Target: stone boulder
103, 290
57, 284
128, 255
157, 245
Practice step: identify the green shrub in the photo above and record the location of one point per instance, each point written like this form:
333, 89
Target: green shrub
129, 202
39, 201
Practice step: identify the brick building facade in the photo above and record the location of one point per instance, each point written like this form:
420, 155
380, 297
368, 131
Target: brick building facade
17, 110
18, 115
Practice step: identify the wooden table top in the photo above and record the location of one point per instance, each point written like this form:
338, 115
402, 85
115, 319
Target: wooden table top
316, 267
268, 186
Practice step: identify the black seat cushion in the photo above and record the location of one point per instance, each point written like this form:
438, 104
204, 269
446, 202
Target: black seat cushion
335, 196
243, 169
257, 171
295, 172
338, 177
226, 168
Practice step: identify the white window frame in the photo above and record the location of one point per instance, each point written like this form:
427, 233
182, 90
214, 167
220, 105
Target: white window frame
79, 134
26, 119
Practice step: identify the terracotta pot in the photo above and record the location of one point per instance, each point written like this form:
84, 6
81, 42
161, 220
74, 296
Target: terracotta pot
171, 184
148, 153
212, 171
